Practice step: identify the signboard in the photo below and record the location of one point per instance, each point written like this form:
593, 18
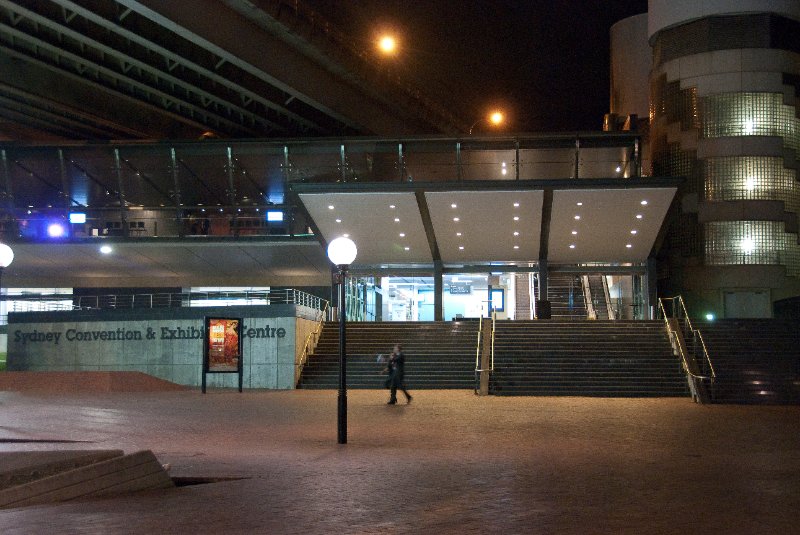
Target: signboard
460, 288
222, 347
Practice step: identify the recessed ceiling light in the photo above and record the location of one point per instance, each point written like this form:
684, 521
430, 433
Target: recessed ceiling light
458, 234
338, 220
516, 247
577, 217
407, 248
579, 204
396, 219
516, 218
571, 245
634, 231
574, 232
638, 216
516, 205
460, 247
454, 205
402, 234
330, 207
628, 245
644, 203
456, 219
516, 233
392, 206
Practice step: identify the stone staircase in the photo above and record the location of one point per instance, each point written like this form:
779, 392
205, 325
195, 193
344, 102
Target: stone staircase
586, 358
439, 355
565, 292
757, 361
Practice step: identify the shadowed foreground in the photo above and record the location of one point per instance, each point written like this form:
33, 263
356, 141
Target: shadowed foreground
449, 462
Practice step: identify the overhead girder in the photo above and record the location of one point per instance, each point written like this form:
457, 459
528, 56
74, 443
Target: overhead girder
61, 59
167, 80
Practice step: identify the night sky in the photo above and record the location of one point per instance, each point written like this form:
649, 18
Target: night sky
545, 62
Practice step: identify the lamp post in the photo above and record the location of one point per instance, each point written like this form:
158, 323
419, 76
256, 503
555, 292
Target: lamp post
342, 252
495, 118
6, 257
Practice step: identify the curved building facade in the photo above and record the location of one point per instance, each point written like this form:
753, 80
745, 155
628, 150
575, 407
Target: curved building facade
725, 113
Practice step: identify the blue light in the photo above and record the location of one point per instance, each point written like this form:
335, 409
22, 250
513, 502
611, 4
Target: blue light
77, 217
56, 230
274, 215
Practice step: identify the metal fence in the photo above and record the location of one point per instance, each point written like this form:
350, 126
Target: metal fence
45, 303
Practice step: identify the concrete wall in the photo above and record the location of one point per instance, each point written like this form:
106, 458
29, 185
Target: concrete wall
166, 343
667, 13
631, 60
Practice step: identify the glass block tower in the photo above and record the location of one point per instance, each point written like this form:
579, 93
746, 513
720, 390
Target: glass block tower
725, 113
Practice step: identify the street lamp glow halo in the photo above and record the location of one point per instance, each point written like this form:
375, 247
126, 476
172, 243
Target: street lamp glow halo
6, 255
342, 251
496, 118
387, 44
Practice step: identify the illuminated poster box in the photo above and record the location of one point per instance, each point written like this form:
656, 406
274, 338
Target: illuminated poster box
222, 347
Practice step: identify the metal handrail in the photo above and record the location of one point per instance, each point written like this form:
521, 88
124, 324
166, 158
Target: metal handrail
321, 314
478, 346
607, 297
476, 386
684, 357
587, 296
494, 318
695, 332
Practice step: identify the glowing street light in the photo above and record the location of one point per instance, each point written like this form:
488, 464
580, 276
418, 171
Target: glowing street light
387, 45
496, 118
342, 252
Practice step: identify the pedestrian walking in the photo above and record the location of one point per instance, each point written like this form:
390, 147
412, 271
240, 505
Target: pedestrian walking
396, 365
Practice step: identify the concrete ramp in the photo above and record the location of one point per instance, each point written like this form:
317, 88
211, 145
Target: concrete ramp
75, 382
31, 478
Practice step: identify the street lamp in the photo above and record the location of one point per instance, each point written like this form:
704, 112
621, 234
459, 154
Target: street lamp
6, 257
387, 45
495, 118
342, 252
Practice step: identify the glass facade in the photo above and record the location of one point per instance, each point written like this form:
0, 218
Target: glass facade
241, 188
729, 178
751, 243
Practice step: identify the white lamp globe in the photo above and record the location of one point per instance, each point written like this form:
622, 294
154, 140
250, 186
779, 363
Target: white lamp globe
6, 255
342, 251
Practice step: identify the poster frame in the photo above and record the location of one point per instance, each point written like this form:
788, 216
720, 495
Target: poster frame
206, 363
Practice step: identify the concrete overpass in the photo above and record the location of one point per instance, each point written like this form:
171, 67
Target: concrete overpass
182, 69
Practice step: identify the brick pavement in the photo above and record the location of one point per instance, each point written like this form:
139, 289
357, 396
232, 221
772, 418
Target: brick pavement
449, 462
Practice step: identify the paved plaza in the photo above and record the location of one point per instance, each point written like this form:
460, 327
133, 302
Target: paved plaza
450, 462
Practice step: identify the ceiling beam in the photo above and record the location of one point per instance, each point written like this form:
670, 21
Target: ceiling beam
425, 214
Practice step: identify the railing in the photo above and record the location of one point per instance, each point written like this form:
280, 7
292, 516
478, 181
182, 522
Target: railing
491, 362
478, 354
587, 296
479, 369
311, 342
287, 296
48, 303
607, 297
679, 314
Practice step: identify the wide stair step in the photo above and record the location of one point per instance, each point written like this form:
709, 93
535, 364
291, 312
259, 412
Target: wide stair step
586, 358
756, 361
439, 355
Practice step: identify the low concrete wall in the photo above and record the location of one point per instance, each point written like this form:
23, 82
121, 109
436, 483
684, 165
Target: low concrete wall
166, 343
